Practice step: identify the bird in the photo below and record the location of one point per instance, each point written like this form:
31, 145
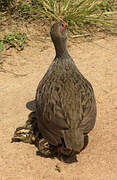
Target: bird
65, 100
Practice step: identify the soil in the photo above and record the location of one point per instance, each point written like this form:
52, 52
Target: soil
97, 60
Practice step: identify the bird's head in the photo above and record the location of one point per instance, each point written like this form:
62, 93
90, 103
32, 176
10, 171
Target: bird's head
59, 36
58, 31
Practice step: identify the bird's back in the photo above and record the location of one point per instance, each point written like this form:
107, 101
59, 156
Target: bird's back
65, 102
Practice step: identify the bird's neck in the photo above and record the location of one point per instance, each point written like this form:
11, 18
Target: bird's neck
61, 49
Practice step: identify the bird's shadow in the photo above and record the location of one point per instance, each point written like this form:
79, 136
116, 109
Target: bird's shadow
64, 158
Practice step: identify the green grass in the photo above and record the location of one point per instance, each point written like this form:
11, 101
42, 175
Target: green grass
77, 14
16, 40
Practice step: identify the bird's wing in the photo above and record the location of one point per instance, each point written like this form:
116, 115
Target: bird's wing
50, 115
73, 112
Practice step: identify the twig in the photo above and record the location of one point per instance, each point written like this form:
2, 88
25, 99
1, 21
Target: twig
81, 35
16, 75
102, 46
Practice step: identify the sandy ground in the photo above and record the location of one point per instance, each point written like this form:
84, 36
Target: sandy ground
97, 60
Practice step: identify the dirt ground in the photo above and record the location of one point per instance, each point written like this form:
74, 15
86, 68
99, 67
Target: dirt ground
97, 60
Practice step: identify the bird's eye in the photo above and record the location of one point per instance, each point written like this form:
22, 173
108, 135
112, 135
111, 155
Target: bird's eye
62, 24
